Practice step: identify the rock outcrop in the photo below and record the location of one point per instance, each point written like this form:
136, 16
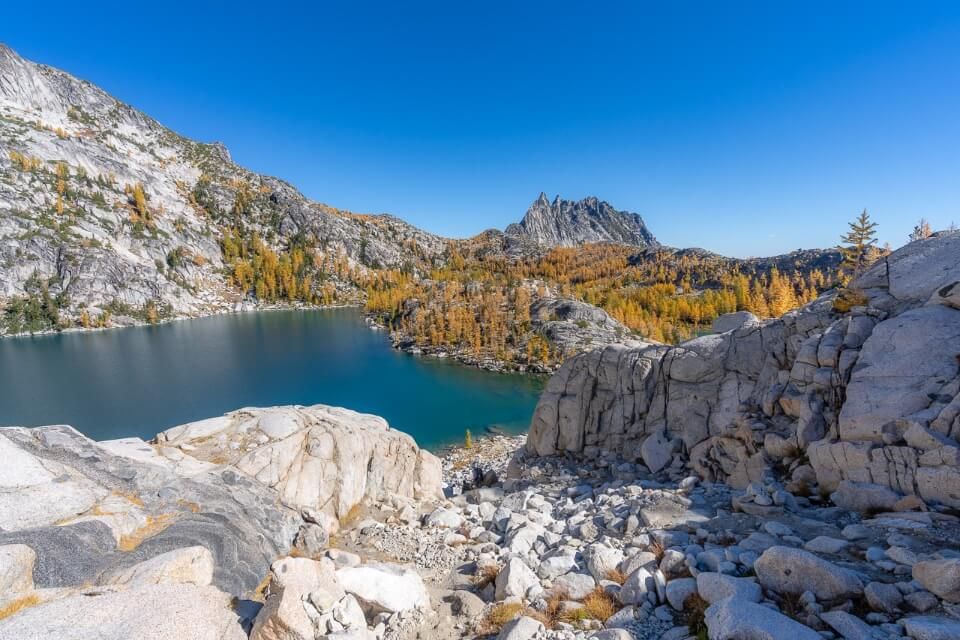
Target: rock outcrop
567, 223
214, 501
325, 459
870, 395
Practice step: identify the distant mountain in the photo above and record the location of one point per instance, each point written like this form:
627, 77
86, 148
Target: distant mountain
566, 223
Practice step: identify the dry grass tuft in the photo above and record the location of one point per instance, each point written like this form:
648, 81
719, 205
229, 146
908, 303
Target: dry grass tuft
847, 299
15, 606
154, 525
486, 575
193, 507
696, 609
657, 548
615, 575
355, 513
130, 497
498, 616
599, 605
260, 592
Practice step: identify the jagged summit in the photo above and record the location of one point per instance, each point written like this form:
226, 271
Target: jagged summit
568, 223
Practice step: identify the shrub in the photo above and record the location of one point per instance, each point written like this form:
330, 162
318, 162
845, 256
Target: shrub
847, 299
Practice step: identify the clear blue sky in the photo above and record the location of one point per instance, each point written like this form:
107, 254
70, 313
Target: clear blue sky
749, 128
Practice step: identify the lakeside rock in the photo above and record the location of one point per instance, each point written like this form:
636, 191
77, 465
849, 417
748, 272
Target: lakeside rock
325, 459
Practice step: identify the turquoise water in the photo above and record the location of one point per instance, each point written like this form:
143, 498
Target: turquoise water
141, 380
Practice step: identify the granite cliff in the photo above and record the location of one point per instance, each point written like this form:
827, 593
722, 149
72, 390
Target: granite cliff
862, 389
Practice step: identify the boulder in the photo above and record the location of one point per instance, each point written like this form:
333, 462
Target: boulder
602, 560
635, 588
848, 626
298, 587
656, 451
557, 564
883, 597
825, 544
679, 590
714, 587
522, 628
734, 619
940, 576
467, 604
388, 588
516, 580
574, 586
864, 497
192, 565
786, 570
312, 540
236, 518
326, 458
931, 628
145, 612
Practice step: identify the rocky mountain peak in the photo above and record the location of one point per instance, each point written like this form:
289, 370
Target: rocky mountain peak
568, 223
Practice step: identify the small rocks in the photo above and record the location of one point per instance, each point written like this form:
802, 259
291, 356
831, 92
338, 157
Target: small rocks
311, 540
442, 517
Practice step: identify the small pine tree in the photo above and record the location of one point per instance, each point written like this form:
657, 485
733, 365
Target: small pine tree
860, 246
921, 231
468, 440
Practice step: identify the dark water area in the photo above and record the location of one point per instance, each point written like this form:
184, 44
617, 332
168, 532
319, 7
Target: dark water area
141, 380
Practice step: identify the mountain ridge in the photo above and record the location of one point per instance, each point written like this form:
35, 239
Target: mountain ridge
569, 223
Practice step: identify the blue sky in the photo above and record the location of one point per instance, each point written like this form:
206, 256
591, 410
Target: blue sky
748, 128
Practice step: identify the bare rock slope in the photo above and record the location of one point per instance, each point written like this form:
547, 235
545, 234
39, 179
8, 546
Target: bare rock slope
70, 157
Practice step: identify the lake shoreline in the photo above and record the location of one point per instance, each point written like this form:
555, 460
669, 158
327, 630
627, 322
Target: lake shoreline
114, 384
374, 322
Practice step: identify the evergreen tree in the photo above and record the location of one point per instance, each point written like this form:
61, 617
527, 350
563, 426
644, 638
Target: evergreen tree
860, 246
921, 231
